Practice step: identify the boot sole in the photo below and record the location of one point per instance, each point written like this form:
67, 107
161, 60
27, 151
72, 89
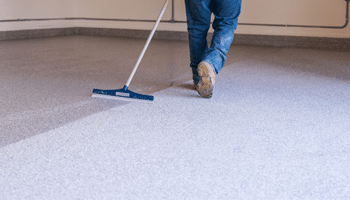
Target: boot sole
206, 84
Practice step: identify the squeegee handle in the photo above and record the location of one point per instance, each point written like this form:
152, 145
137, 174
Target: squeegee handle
147, 43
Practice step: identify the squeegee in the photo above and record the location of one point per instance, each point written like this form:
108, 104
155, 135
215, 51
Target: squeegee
124, 93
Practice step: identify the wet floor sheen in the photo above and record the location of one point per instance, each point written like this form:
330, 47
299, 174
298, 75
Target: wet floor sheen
46, 83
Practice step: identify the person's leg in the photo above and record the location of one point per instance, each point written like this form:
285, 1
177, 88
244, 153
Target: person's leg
226, 16
198, 23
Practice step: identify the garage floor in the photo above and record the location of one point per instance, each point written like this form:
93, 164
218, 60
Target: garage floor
277, 126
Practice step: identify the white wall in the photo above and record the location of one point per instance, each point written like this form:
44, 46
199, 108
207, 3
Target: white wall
123, 9
296, 12
36, 9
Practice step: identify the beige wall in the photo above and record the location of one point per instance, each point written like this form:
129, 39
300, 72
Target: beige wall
36, 9
296, 12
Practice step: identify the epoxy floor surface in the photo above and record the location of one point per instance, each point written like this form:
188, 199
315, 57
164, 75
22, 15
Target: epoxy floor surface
47, 83
277, 126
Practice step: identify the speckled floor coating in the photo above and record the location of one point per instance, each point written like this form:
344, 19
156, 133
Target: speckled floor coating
277, 127
46, 83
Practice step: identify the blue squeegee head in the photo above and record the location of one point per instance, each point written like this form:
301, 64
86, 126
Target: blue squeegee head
123, 94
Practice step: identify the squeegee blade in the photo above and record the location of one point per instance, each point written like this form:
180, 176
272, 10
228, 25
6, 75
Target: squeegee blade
121, 94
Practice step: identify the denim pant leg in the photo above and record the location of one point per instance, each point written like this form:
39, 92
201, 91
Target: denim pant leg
226, 14
198, 23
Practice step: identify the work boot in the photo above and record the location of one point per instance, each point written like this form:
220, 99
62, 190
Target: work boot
206, 83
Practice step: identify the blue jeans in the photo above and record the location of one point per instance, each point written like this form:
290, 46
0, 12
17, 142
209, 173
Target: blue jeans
198, 14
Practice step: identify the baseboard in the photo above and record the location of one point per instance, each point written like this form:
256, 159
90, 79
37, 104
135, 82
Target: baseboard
320, 43
163, 35
37, 33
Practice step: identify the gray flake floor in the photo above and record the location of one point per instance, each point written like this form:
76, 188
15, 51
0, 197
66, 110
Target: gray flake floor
277, 127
